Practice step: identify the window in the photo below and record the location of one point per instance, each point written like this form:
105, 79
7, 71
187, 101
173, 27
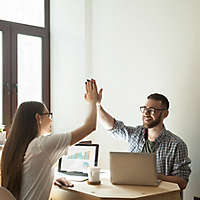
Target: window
24, 55
29, 64
29, 12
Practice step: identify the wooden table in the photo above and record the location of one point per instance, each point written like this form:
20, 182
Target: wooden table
108, 191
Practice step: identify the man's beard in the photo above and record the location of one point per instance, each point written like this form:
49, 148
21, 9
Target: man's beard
153, 123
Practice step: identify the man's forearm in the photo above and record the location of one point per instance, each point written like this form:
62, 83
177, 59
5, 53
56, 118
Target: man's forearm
182, 183
106, 119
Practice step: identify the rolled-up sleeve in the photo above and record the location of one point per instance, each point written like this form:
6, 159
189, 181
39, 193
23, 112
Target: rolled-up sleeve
122, 131
182, 162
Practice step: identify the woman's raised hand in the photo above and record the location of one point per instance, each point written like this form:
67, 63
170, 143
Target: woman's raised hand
91, 94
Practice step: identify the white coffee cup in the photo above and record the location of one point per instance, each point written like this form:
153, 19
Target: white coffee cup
93, 174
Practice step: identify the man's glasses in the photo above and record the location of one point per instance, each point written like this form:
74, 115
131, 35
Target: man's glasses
150, 110
50, 115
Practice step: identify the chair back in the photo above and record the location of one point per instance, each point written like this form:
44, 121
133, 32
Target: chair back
5, 194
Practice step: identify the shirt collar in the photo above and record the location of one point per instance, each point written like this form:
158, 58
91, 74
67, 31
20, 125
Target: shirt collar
159, 138
162, 135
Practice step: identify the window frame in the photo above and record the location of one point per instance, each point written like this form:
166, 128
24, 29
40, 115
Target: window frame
10, 31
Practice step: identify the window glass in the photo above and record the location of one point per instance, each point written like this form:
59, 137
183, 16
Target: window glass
29, 68
23, 11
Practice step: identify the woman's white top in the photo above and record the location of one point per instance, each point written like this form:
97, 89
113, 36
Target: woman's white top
38, 167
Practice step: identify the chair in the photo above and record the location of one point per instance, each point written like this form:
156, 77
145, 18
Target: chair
5, 194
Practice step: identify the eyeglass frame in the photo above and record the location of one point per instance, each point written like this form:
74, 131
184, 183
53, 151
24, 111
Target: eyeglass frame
50, 114
151, 110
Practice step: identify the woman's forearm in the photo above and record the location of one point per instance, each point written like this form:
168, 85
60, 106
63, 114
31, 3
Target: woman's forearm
88, 127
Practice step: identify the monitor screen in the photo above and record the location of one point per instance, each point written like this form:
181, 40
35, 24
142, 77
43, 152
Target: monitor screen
79, 158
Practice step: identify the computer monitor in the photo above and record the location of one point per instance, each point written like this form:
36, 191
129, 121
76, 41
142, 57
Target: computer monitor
78, 159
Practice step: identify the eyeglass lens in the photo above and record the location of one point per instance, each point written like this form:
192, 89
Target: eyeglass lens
147, 110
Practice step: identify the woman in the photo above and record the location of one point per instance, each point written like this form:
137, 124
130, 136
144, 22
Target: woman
29, 155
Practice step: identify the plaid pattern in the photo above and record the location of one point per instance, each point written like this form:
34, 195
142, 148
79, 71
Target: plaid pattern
171, 152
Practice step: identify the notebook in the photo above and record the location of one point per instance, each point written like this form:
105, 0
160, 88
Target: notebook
78, 159
133, 168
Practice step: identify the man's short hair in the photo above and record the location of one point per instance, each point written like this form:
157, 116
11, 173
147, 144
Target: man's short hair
159, 97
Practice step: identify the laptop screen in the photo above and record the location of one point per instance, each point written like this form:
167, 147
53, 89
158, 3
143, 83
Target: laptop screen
78, 159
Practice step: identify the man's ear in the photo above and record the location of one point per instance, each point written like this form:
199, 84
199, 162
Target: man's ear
37, 117
166, 112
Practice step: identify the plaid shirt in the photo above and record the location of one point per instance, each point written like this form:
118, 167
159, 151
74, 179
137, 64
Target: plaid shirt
171, 152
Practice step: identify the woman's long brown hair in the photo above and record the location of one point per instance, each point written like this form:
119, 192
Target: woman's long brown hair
23, 130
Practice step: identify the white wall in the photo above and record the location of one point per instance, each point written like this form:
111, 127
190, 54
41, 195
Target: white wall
68, 60
132, 48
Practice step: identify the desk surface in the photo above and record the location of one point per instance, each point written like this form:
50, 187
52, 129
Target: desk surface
106, 190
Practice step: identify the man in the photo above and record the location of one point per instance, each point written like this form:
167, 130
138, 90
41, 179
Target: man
172, 160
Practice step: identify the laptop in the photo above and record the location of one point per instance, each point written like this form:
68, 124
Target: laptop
133, 168
78, 159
